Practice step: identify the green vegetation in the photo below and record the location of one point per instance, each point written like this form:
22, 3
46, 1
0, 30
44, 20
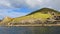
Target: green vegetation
45, 10
35, 16
42, 14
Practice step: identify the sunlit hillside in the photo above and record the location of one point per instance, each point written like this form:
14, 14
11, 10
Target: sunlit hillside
6, 20
35, 16
41, 14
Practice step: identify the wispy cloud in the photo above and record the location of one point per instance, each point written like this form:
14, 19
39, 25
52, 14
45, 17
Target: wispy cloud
7, 6
30, 3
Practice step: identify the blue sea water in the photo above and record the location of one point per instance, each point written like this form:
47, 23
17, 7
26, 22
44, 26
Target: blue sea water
29, 30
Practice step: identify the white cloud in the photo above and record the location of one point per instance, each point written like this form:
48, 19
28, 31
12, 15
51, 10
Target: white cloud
5, 4
35, 3
30, 3
25, 3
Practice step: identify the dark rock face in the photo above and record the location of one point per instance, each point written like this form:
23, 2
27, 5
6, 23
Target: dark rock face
0, 20
57, 18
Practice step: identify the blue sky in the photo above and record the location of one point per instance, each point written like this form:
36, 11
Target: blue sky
17, 8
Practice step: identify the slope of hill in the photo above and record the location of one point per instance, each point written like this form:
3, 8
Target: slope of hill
6, 20
45, 10
41, 14
33, 16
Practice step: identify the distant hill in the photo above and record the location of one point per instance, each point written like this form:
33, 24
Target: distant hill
6, 20
41, 14
36, 14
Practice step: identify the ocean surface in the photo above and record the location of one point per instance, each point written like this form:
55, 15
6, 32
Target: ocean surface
29, 30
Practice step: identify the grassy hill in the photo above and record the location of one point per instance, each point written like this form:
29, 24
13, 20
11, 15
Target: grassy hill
39, 14
45, 10
33, 16
42, 14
